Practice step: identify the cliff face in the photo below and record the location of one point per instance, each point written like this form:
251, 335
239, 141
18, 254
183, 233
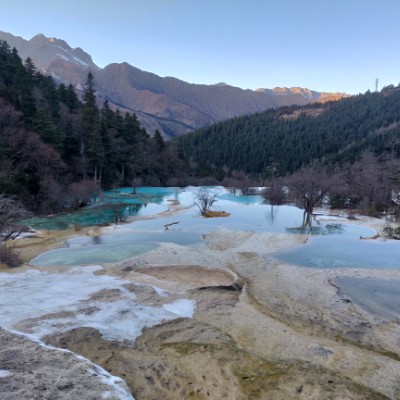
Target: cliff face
170, 105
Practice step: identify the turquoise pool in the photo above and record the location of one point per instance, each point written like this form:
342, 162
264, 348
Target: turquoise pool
343, 252
92, 254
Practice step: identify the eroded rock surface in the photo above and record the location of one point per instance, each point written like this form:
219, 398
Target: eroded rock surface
28, 370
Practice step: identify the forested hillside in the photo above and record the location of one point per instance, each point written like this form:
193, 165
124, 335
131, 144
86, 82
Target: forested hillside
289, 138
57, 150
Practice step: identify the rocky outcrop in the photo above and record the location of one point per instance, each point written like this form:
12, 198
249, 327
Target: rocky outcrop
31, 370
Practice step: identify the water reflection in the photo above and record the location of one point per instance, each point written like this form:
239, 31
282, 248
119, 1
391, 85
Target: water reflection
248, 213
328, 229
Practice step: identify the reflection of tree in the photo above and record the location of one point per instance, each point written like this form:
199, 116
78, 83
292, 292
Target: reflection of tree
271, 214
97, 239
309, 229
308, 187
333, 229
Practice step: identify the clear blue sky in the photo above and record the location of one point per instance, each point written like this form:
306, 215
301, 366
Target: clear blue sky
324, 45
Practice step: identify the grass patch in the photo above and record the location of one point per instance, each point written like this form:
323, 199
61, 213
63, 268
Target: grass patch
215, 214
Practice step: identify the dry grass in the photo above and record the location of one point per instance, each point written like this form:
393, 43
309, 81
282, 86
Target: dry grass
215, 214
29, 247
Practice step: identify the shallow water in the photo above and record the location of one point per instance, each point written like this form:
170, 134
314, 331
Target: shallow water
380, 297
248, 213
181, 238
343, 252
248, 216
92, 254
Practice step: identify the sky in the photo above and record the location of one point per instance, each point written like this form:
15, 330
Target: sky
323, 45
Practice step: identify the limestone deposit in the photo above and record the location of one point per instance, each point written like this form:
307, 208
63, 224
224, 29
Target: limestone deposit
260, 329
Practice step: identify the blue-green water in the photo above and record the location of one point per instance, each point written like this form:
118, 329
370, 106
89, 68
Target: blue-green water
182, 238
108, 253
343, 252
331, 245
248, 213
255, 217
380, 297
142, 195
112, 206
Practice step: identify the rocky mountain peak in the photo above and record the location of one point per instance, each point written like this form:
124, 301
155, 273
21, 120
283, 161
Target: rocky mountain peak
168, 104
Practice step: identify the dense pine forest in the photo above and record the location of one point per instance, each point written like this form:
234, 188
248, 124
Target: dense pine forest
289, 138
57, 149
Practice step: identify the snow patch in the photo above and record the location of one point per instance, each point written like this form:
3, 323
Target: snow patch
43, 303
182, 307
79, 61
159, 291
63, 57
4, 373
70, 57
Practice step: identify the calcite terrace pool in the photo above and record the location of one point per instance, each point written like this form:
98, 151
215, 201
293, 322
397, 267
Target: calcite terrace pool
175, 303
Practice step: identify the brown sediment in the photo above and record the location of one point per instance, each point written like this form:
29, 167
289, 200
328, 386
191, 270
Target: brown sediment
189, 359
376, 236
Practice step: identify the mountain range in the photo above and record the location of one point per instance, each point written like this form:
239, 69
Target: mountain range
168, 104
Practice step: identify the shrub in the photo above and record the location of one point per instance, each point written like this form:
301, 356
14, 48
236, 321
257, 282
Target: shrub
9, 256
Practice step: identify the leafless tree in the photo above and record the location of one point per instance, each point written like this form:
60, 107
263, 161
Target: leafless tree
11, 211
204, 199
81, 193
308, 187
274, 192
371, 182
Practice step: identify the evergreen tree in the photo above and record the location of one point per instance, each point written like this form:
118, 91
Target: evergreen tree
108, 132
91, 148
159, 140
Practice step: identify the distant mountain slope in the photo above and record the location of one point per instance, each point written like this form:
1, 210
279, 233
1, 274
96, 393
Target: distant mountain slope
289, 138
168, 104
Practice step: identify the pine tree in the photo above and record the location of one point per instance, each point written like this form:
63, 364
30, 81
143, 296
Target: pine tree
159, 141
91, 147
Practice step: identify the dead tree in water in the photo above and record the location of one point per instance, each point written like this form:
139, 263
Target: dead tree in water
204, 199
307, 189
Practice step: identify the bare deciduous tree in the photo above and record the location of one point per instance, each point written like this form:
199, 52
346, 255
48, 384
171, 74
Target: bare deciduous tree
308, 187
81, 193
370, 184
10, 212
204, 199
274, 192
